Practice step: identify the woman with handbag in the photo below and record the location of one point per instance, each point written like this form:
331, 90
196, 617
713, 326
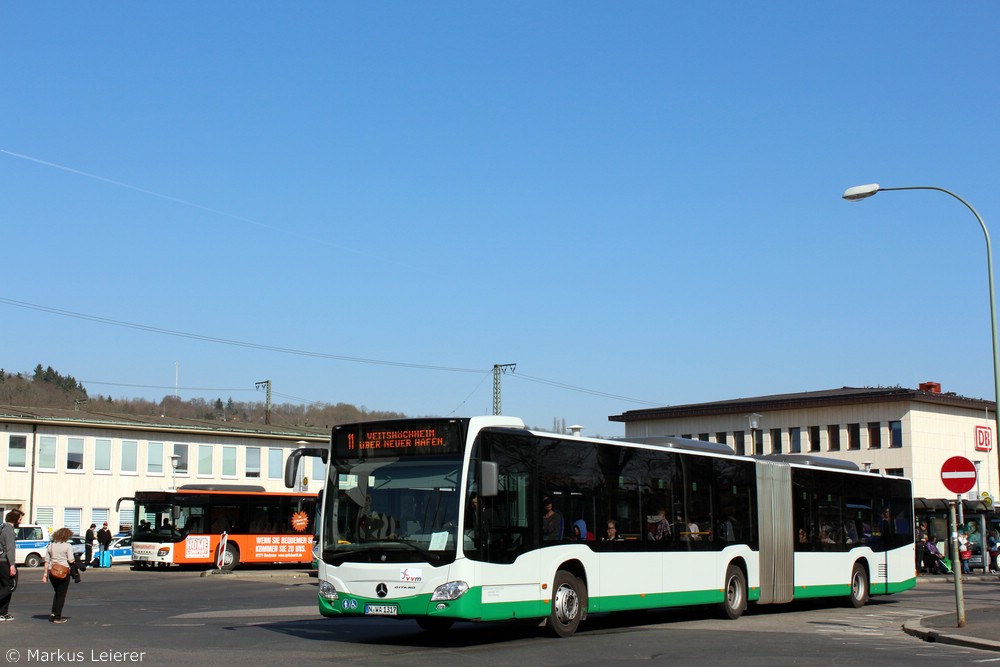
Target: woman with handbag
57, 571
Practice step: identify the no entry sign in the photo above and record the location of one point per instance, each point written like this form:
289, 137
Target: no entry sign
958, 474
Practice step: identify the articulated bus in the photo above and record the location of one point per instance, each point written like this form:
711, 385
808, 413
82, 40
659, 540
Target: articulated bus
185, 526
481, 519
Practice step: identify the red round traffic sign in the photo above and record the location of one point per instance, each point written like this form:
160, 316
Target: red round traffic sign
958, 474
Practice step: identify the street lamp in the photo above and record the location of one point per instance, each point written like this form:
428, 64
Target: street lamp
175, 460
859, 192
754, 420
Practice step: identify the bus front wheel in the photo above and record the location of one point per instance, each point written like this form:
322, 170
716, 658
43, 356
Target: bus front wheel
569, 598
231, 558
859, 586
735, 602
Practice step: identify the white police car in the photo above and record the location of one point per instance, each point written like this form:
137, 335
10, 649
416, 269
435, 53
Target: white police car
121, 550
32, 541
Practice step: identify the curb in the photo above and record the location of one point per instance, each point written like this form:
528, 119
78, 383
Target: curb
915, 628
262, 574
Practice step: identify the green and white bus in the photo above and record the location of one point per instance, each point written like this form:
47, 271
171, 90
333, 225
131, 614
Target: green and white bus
481, 519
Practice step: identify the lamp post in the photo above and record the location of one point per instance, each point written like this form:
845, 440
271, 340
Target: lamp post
174, 462
754, 420
859, 192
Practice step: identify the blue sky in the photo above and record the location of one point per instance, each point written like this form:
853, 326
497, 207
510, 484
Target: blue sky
637, 204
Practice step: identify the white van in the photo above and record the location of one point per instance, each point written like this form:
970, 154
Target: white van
32, 541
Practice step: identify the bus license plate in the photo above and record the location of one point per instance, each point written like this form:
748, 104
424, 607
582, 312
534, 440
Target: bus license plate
380, 609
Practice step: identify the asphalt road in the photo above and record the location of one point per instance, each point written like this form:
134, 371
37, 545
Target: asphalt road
264, 617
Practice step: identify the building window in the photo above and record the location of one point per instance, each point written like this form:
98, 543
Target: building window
45, 516
833, 438
814, 438
102, 455
229, 462
795, 440
73, 518
205, 460
874, 435
894, 472
274, 470
17, 451
895, 434
181, 452
253, 461
47, 452
721, 437
758, 441
776, 441
854, 436
74, 454
703, 437
740, 442
154, 458
130, 457
319, 469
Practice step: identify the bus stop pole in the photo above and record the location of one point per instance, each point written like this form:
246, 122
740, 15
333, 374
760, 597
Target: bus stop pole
956, 564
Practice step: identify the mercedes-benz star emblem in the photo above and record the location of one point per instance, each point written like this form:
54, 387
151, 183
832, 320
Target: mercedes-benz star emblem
381, 590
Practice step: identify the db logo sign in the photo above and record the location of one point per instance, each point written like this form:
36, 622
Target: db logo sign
984, 439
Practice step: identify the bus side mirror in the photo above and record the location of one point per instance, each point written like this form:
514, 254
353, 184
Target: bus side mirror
489, 483
292, 464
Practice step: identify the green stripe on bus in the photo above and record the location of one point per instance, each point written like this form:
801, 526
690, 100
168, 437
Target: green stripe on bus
471, 607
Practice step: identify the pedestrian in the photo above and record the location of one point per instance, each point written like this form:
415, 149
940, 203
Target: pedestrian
89, 538
57, 571
104, 537
8, 569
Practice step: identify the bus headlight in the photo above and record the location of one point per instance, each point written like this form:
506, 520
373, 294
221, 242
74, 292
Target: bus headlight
450, 591
327, 591
163, 551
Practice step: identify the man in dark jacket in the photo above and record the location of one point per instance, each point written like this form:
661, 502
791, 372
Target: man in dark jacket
8, 571
104, 537
88, 539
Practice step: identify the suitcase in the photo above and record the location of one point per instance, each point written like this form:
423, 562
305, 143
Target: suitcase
104, 559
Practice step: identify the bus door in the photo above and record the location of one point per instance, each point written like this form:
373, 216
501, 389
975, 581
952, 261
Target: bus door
774, 511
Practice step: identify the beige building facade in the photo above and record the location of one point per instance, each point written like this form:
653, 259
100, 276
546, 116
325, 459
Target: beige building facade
889, 430
69, 468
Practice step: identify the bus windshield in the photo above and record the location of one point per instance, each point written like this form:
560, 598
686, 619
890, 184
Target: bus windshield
392, 510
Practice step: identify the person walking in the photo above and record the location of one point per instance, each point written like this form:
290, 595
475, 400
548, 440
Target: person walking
57, 571
8, 569
89, 538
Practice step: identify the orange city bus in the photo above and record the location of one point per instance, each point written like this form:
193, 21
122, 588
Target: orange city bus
185, 527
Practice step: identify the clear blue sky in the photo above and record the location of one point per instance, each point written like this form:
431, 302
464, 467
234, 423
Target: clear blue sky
641, 200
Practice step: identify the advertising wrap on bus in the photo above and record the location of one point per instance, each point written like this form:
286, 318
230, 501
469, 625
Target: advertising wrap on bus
481, 519
185, 527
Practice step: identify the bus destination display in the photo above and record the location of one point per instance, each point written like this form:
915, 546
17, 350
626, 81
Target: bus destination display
397, 439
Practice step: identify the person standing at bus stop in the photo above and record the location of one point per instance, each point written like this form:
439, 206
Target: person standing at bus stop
104, 537
8, 569
89, 538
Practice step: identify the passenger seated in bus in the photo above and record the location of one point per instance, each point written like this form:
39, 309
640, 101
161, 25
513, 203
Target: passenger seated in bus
580, 533
612, 534
552, 522
661, 529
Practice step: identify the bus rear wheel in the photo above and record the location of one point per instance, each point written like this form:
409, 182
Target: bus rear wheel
859, 586
735, 602
569, 599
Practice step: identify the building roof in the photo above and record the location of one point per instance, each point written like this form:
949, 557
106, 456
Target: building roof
84, 418
808, 399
